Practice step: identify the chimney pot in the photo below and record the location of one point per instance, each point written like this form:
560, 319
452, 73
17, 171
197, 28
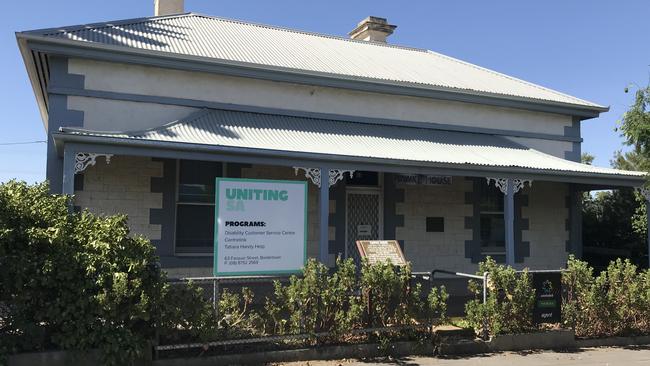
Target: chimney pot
167, 7
373, 29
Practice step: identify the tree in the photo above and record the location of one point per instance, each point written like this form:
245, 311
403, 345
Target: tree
617, 219
635, 127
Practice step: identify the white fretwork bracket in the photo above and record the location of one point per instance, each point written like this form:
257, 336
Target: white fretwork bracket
502, 184
314, 174
84, 160
645, 192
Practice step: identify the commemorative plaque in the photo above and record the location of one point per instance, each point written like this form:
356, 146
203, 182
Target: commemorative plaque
376, 251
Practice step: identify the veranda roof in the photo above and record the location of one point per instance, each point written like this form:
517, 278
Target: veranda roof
273, 135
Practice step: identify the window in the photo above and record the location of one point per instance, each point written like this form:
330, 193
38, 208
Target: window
195, 206
493, 234
435, 224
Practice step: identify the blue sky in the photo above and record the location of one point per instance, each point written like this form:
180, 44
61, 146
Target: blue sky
590, 48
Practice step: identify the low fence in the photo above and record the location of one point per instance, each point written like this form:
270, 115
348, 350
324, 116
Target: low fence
216, 284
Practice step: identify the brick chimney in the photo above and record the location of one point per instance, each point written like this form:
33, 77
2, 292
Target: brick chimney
167, 7
373, 29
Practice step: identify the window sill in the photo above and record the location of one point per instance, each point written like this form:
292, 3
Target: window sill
193, 254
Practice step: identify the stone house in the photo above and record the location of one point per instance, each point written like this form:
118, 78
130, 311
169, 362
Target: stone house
455, 161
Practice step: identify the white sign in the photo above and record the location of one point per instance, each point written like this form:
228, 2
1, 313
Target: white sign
364, 230
260, 226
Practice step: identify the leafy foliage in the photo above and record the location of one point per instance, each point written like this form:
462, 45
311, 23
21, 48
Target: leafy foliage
635, 125
616, 302
340, 302
315, 302
510, 301
73, 281
615, 219
81, 281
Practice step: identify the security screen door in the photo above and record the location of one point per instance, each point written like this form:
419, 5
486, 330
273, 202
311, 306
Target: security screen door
363, 219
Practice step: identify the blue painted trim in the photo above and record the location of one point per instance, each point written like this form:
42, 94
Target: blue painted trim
324, 214
392, 196
473, 246
522, 248
574, 221
205, 64
509, 218
166, 215
295, 113
575, 154
58, 116
337, 219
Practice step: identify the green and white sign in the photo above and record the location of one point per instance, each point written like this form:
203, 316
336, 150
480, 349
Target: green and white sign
260, 226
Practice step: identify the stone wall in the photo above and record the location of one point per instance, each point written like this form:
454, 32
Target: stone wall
123, 186
547, 214
547, 231
436, 250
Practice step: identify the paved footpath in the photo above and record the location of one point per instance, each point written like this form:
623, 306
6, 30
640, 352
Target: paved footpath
604, 356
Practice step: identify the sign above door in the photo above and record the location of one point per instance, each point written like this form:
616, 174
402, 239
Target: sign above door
420, 179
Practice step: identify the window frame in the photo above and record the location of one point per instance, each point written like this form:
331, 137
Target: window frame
491, 250
177, 202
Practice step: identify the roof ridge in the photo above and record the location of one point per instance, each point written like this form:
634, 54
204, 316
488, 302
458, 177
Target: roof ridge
105, 24
311, 33
497, 73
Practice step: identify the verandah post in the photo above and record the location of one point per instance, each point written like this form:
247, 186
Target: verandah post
68, 170
509, 216
324, 209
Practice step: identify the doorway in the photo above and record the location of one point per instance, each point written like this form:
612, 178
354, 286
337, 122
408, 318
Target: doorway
363, 218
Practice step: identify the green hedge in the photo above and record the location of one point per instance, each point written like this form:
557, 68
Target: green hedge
80, 281
317, 301
614, 303
510, 301
73, 280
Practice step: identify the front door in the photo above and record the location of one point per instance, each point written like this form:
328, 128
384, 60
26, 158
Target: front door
363, 219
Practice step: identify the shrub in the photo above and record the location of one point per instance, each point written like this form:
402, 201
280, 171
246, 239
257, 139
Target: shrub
510, 300
79, 281
390, 298
186, 314
235, 317
340, 302
316, 301
616, 302
73, 280
436, 311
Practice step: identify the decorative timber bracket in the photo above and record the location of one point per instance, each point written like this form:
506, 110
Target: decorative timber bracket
502, 184
84, 160
314, 174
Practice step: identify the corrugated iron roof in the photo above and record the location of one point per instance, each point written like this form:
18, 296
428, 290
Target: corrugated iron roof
236, 41
271, 133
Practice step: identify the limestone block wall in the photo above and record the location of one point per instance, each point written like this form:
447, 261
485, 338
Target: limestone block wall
547, 214
441, 250
122, 187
